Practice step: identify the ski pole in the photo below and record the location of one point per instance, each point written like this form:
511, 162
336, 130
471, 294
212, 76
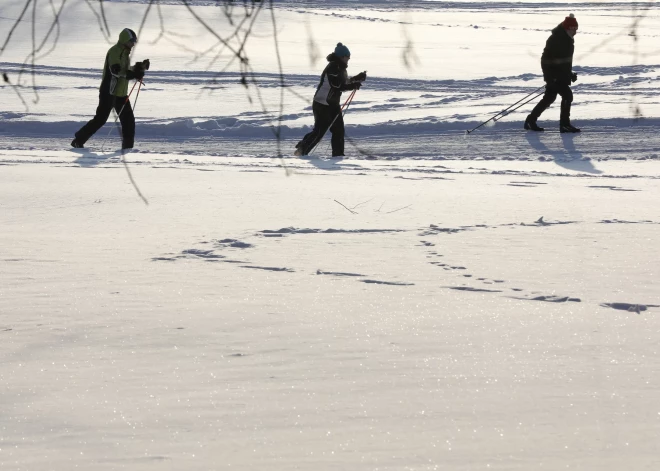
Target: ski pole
349, 99
342, 112
348, 102
137, 94
521, 105
506, 111
122, 109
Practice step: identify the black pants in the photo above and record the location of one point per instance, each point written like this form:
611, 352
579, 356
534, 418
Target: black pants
552, 89
323, 118
106, 103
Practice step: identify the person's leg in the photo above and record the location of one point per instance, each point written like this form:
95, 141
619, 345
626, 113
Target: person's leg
322, 119
565, 117
337, 130
127, 120
548, 99
566, 100
106, 102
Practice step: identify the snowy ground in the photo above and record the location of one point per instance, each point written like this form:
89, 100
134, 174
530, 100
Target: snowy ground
433, 301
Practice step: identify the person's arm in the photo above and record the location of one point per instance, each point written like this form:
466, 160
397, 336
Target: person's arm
114, 63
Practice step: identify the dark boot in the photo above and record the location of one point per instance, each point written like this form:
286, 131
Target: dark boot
76, 144
567, 127
530, 124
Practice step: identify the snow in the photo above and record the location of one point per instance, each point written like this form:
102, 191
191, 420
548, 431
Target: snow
435, 300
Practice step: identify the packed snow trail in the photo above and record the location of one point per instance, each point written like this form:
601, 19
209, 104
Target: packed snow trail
640, 142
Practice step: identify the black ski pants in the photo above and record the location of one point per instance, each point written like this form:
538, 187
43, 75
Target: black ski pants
552, 89
324, 115
106, 103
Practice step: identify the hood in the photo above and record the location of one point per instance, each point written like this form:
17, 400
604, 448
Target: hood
559, 29
332, 57
127, 35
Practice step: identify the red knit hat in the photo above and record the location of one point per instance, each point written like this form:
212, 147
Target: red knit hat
570, 22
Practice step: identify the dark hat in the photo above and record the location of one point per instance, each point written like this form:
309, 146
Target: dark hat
342, 51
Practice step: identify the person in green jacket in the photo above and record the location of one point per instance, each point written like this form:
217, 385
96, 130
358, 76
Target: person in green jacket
113, 91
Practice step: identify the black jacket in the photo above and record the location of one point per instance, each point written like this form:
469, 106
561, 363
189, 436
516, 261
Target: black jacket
557, 58
334, 80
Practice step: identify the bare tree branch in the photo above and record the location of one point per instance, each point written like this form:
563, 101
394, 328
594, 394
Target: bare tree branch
15, 25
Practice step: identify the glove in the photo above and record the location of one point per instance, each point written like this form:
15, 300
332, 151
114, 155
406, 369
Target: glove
138, 70
357, 85
573, 77
146, 64
361, 77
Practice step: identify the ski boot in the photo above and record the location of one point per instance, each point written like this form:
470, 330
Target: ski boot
567, 127
530, 124
76, 144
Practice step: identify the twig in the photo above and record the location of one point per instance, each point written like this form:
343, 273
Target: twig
347, 209
390, 212
360, 204
130, 177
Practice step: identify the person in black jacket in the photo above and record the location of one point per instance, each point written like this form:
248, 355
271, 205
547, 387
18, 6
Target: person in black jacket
326, 107
557, 66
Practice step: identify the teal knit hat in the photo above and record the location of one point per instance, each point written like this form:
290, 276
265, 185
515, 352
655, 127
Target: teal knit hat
342, 51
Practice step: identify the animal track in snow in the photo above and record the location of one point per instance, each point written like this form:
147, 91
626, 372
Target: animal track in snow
638, 308
392, 283
208, 255
434, 229
469, 288
451, 267
201, 253
526, 184
618, 221
336, 273
292, 230
237, 244
254, 267
550, 299
613, 188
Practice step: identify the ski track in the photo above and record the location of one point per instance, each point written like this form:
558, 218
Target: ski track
466, 8
452, 271
572, 152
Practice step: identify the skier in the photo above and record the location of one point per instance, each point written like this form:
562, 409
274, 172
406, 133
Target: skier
114, 90
557, 66
326, 107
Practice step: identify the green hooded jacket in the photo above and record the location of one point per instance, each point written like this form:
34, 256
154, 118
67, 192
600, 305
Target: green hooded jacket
116, 70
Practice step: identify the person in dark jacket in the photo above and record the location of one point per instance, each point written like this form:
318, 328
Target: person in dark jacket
114, 90
326, 105
557, 66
